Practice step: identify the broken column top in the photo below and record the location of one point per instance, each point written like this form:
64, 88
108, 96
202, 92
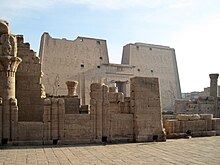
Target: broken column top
72, 87
7, 40
4, 27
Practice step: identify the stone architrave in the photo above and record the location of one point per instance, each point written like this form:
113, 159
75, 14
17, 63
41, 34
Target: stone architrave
72, 87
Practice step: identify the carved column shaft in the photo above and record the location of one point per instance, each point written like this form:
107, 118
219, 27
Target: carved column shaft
214, 92
8, 66
214, 85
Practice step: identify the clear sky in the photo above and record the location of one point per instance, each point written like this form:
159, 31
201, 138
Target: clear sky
191, 27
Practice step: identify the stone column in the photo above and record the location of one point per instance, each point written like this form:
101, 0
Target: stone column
8, 66
214, 85
72, 87
99, 108
96, 111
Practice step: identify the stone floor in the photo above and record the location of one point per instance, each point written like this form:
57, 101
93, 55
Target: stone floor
204, 150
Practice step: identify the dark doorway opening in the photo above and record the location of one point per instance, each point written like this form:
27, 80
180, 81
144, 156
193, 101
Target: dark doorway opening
104, 139
55, 141
155, 138
188, 133
5, 141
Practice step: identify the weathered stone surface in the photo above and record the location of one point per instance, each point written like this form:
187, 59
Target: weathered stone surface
77, 127
121, 127
147, 109
206, 116
186, 117
30, 131
216, 124
193, 126
28, 83
95, 86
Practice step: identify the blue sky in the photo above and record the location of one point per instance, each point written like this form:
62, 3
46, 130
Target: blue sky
191, 27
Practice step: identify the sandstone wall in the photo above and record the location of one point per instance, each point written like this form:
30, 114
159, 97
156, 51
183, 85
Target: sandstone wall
121, 127
29, 89
112, 117
192, 125
175, 126
64, 60
30, 132
146, 106
203, 105
206, 105
72, 105
77, 128
216, 125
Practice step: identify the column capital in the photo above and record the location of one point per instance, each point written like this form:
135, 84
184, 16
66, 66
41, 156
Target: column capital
9, 63
214, 75
72, 86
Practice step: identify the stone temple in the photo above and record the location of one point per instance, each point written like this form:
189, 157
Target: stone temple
85, 99
86, 61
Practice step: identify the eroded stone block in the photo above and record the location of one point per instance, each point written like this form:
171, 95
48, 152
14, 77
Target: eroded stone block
186, 117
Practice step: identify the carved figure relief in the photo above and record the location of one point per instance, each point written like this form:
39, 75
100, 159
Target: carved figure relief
4, 27
9, 47
56, 84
